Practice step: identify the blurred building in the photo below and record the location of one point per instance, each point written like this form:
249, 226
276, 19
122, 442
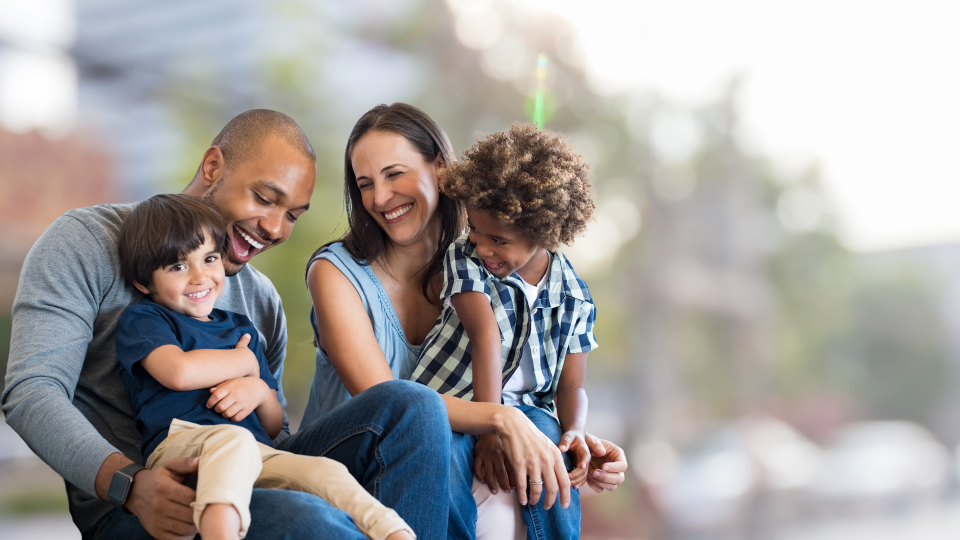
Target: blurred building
129, 54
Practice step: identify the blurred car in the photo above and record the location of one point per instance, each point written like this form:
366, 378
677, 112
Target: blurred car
743, 477
880, 465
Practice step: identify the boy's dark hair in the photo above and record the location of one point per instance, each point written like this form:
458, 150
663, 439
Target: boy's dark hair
530, 181
163, 230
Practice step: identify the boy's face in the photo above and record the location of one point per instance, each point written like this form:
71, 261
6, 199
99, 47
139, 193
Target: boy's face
190, 286
503, 250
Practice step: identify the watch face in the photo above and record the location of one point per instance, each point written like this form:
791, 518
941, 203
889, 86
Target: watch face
119, 487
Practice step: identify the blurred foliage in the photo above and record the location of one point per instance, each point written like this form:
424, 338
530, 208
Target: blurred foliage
49, 501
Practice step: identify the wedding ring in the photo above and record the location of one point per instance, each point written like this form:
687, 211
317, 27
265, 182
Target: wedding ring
535, 482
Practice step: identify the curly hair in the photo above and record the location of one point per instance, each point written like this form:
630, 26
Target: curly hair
528, 180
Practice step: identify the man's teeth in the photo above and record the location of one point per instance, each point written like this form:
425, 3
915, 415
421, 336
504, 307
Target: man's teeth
398, 212
249, 240
200, 294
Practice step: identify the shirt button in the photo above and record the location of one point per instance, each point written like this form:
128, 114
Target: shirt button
535, 350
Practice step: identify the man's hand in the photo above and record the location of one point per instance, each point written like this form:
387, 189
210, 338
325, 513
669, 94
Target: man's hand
607, 465
237, 398
162, 503
490, 464
574, 441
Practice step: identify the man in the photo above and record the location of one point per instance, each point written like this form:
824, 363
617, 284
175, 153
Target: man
65, 397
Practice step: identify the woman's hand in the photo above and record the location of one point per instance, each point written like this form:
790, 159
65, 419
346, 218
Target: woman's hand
237, 398
574, 441
607, 465
533, 455
491, 466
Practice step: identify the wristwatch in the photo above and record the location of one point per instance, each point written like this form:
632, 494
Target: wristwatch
121, 483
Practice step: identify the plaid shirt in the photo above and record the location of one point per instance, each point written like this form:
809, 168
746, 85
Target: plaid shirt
560, 322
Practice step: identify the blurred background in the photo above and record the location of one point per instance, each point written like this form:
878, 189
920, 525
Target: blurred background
775, 257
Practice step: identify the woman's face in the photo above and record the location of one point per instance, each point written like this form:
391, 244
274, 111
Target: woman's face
397, 186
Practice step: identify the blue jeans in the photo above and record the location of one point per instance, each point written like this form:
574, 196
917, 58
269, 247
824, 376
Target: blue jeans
553, 524
395, 440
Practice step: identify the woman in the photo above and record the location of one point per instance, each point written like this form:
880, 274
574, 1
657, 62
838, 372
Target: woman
375, 298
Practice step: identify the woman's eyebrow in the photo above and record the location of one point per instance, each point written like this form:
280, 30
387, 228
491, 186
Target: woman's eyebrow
391, 166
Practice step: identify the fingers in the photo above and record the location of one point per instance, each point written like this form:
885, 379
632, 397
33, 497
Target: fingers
489, 477
595, 445
536, 489
607, 480
478, 469
566, 441
243, 342
217, 393
182, 466
520, 470
501, 472
578, 477
511, 476
563, 481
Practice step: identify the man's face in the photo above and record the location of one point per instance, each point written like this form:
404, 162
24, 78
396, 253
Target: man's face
261, 199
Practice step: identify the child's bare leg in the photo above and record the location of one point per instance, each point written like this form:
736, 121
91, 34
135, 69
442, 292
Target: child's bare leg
220, 522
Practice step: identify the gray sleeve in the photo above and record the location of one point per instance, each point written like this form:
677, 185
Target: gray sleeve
275, 349
54, 311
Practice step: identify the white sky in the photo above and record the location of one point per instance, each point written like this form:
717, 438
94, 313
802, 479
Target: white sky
870, 90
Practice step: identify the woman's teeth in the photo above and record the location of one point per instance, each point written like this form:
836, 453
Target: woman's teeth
200, 294
398, 212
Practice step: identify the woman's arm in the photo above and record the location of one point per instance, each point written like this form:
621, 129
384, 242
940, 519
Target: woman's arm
345, 332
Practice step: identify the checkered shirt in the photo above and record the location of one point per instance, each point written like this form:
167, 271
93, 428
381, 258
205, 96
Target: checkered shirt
560, 322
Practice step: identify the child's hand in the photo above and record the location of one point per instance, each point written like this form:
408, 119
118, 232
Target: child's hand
237, 398
244, 344
574, 441
490, 464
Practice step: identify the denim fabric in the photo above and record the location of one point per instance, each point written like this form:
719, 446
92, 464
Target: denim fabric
275, 515
394, 439
463, 508
558, 522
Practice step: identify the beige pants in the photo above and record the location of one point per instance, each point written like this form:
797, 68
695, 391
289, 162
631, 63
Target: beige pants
232, 463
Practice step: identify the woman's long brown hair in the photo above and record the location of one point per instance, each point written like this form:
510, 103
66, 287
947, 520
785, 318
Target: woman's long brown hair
365, 240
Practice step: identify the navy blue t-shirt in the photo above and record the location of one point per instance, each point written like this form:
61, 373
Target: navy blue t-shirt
145, 326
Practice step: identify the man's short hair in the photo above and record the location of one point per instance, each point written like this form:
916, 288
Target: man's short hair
243, 137
164, 229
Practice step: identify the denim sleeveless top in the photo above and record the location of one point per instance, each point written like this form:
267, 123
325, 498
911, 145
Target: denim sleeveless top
327, 390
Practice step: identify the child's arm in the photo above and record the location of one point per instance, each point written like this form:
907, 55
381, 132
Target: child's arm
200, 368
476, 315
237, 398
571, 403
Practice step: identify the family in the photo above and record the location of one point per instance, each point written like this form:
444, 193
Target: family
146, 355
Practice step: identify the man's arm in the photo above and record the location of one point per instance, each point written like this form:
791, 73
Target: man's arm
54, 311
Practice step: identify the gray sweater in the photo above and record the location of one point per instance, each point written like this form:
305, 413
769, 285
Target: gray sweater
63, 393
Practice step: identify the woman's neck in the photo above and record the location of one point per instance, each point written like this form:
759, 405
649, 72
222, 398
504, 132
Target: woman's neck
407, 262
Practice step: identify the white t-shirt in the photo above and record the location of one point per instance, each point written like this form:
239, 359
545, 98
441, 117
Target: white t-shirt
523, 379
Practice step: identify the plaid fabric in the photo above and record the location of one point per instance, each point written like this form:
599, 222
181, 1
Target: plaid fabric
560, 322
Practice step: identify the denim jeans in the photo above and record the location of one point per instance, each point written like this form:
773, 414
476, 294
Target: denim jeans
558, 522
394, 438
554, 524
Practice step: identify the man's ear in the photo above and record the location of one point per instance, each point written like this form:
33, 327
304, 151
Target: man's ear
141, 288
211, 169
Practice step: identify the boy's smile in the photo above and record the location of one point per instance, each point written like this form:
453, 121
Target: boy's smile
503, 250
192, 285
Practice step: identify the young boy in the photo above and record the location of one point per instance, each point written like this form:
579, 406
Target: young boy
194, 375
518, 322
